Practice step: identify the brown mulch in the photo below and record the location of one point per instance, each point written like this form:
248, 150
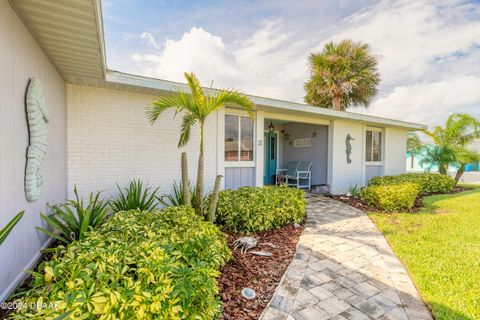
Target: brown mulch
359, 204
262, 274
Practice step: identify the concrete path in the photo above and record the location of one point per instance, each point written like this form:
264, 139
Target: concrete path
344, 269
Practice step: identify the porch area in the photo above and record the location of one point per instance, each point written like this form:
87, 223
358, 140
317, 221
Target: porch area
295, 153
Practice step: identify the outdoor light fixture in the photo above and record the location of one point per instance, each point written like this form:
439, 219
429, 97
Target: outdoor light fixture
271, 127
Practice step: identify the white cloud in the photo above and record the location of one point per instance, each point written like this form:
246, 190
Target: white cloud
428, 53
429, 102
266, 63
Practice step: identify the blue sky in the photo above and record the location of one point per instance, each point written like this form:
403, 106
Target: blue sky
429, 51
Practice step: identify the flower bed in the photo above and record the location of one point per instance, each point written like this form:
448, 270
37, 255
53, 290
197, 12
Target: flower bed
259, 273
160, 264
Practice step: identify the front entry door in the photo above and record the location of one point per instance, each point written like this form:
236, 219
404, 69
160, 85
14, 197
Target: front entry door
270, 160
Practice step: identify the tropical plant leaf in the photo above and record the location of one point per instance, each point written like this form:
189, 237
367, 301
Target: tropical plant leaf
5, 231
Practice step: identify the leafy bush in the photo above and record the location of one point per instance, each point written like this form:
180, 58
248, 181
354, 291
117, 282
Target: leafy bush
428, 182
135, 197
149, 265
72, 220
391, 197
251, 209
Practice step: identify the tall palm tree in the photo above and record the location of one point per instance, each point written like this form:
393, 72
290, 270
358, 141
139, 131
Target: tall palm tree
196, 106
342, 74
460, 130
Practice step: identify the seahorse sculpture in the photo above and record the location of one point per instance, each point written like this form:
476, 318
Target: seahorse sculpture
37, 117
348, 149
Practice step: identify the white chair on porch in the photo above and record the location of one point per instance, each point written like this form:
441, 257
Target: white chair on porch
302, 178
291, 170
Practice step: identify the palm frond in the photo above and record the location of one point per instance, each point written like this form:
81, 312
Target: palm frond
189, 120
195, 88
224, 97
178, 102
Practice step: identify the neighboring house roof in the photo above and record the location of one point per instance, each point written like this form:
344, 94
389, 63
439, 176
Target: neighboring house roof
71, 35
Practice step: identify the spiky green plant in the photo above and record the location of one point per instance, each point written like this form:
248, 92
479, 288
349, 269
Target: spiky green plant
196, 107
5, 231
177, 198
135, 197
342, 74
71, 220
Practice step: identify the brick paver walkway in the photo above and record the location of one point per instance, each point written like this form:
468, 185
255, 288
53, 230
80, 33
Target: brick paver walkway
344, 269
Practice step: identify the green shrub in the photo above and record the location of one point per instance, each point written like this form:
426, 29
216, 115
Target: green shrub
428, 182
136, 196
149, 265
251, 209
392, 197
72, 220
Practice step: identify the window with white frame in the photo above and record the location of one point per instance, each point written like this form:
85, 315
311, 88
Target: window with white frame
238, 138
373, 148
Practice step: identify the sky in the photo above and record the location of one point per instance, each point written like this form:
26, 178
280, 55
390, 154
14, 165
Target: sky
428, 51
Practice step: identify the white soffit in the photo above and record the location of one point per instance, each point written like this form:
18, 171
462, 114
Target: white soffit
70, 32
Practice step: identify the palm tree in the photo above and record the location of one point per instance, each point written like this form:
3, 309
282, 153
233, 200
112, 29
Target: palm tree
196, 106
342, 74
437, 156
414, 146
460, 130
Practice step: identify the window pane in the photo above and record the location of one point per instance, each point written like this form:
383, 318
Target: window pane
368, 149
231, 138
376, 146
246, 139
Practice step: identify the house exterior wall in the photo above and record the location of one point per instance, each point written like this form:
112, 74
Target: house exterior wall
21, 59
395, 151
111, 141
344, 174
317, 152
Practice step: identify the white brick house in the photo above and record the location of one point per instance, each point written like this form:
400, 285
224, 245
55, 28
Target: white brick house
99, 135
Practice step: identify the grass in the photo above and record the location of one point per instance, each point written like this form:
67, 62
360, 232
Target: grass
440, 247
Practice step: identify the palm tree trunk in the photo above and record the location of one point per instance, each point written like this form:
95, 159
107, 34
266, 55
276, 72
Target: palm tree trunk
185, 184
200, 174
459, 173
213, 201
412, 162
337, 103
443, 168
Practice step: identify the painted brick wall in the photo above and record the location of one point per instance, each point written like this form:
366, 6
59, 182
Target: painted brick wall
345, 174
395, 151
110, 140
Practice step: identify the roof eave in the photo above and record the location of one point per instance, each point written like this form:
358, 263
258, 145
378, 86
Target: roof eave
165, 87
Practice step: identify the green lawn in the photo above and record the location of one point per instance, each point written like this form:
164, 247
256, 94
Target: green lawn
440, 247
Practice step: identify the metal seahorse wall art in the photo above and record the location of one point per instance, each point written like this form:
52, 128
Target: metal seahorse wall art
37, 117
348, 147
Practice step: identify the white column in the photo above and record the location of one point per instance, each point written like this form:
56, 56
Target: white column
259, 152
221, 144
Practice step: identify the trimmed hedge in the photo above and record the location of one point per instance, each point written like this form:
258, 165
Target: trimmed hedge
160, 264
428, 182
252, 209
391, 197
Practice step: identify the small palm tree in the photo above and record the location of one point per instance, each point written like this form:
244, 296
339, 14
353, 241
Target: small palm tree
460, 130
414, 146
437, 156
196, 107
342, 74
